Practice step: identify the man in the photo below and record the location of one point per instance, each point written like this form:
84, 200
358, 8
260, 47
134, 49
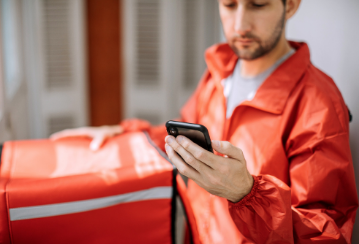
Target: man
286, 175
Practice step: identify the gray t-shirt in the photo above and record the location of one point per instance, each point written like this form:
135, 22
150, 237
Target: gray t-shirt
238, 88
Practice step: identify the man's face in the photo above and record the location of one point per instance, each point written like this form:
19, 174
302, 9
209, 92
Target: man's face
252, 27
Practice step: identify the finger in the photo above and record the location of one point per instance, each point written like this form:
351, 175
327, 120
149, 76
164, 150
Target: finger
187, 157
97, 142
182, 167
69, 133
228, 149
197, 151
120, 130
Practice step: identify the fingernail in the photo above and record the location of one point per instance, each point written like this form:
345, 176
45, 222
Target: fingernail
179, 139
216, 143
169, 139
167, 147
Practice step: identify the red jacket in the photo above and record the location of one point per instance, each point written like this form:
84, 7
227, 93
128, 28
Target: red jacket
295, 137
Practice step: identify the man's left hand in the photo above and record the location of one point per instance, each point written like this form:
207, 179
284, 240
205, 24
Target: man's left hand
225, 177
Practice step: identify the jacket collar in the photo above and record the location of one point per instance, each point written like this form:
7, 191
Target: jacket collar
273, 94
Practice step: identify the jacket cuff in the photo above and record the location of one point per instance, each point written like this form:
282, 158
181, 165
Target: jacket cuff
248, 198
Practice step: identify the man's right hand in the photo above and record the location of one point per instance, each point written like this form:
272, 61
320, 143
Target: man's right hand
98, 134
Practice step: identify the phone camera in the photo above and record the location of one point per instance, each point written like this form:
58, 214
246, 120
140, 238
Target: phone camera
173, 131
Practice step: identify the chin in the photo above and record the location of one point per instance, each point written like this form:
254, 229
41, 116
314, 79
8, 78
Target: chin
243, 53
247, 57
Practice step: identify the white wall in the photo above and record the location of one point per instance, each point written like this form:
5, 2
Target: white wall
331, 28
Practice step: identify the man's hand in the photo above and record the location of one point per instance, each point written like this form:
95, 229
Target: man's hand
98, 134
226, 177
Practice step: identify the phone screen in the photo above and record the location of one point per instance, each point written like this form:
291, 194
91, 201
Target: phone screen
194, 135
195, 132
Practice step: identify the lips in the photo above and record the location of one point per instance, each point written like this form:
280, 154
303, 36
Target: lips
244, 41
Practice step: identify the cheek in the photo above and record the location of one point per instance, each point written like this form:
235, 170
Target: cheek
265, 23
228, 28
228, 22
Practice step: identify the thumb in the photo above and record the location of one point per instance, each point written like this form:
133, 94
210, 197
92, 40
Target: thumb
97, 142
226, 148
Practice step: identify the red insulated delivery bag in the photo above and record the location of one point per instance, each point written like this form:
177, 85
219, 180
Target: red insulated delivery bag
62, 192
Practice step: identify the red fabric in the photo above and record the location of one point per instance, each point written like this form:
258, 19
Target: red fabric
4, 179
43, 172
295, 136
182, 192
157, 133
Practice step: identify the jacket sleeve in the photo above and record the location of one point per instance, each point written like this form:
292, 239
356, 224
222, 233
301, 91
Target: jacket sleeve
318, 207
189, 112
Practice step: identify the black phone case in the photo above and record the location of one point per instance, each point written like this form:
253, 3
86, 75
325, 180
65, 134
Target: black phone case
176, 124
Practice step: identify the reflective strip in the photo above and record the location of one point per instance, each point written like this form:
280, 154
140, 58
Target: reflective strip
87, 205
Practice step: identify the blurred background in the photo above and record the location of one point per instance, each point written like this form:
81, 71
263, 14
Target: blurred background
71, 63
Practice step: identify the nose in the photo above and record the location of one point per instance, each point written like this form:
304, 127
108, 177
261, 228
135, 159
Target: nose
242, 22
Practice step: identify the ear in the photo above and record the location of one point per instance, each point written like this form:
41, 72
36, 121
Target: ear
291, 8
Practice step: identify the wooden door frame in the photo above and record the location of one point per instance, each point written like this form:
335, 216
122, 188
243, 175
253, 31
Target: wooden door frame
104, 42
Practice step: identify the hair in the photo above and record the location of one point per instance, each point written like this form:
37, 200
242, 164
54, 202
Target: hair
284, 1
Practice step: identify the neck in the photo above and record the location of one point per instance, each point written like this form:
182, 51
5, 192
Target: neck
250, 68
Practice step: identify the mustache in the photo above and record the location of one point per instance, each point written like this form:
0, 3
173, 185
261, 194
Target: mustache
246, 36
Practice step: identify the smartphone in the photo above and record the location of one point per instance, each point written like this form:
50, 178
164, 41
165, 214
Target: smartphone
195, 132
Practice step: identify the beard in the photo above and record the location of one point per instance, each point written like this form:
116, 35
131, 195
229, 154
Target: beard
263, 47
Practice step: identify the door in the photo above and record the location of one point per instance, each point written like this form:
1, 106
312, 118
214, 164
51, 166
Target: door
164, 44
